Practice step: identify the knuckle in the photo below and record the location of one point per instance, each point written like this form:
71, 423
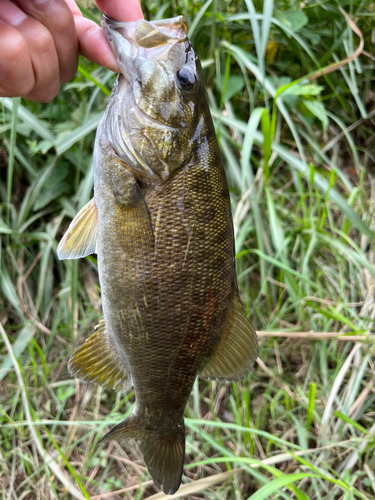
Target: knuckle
16, 74
14, 48
43, 41
63, 23
44, 94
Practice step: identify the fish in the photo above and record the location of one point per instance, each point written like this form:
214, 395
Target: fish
160, 223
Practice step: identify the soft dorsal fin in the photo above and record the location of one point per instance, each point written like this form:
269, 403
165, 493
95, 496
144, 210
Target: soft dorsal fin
95, 362
80, 238
237, 350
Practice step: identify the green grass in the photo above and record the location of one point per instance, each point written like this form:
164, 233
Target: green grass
299, 156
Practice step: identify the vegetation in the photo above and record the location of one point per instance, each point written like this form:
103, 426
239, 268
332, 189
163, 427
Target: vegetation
297, 138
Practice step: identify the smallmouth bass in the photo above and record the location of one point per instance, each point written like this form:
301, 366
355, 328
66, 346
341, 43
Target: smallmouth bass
160, 223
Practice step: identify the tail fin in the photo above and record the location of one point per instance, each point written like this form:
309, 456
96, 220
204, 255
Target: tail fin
164, 457
163, 453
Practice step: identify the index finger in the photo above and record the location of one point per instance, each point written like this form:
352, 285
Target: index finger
57, 18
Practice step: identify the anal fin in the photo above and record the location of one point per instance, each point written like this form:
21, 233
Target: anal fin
237, 350
95, 362
80, 238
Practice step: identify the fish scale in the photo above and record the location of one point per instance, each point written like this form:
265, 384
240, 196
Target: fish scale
161, 225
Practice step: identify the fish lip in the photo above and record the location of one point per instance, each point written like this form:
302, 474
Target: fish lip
163, 24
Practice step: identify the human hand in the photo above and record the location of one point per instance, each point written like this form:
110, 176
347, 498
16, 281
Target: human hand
40, 41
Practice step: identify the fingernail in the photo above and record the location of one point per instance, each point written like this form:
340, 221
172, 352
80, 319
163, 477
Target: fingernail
12, 15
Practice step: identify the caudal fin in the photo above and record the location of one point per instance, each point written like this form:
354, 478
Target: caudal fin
163, 453
164, 457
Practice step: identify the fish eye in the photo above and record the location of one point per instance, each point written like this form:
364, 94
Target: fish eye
186, 78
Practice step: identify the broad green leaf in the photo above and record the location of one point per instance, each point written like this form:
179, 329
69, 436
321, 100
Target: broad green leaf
294, 20
298, 89
318, 109
235, 84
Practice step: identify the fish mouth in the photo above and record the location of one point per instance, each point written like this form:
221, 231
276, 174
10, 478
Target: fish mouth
149, 34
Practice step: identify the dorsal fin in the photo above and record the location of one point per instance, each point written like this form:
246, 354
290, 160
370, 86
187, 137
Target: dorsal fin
237, 350
95, 362
80, 238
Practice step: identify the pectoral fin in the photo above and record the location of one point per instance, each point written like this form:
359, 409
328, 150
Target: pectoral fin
237, 350
95, 362
80, 238
134, 227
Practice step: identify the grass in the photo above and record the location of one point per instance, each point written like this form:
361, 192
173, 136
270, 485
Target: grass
299, 152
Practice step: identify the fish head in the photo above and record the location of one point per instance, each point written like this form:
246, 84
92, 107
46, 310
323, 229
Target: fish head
155, 106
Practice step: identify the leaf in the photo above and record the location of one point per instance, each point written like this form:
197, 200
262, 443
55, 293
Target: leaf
23, 338
318, 109
78, 85
40, 127
198, 17
77, 134
274, 485
4, 229
351, 422
244, 58
267, 141
8, 290
294, 20
54, 186
266, 24
251, 128
305, 90
234, 85
32, 194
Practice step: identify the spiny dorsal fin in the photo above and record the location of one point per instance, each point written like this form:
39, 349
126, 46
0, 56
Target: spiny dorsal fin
95, 362
237, 350
80, 238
